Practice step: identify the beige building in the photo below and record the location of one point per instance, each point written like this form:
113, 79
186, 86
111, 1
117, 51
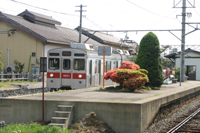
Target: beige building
28, 36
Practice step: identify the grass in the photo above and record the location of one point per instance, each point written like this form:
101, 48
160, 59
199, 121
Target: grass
101, 88
5, 86
148, 88
33, 128
19, 81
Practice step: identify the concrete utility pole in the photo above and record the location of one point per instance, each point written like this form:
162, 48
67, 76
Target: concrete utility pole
182, 56
80, 30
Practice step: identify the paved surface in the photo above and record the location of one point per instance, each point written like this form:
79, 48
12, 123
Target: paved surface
94, 94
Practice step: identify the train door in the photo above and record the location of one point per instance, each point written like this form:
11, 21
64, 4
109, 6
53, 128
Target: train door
66, 70
79, 72
90, 72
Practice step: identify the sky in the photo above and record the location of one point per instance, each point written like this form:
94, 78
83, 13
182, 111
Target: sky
117, 15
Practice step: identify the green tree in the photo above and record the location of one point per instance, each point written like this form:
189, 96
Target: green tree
132, 58
166, 63
1, 64
19, 66
149, 58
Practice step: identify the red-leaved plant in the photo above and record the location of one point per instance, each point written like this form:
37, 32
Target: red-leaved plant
128, 75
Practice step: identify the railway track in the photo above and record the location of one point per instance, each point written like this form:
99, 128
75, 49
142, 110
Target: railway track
190, 124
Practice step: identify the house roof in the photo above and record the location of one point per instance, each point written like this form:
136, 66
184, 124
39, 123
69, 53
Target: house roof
172, 55
39, 17
46, 34
104, 38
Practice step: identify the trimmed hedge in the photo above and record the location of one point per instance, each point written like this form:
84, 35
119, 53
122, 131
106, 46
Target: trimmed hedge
149, 58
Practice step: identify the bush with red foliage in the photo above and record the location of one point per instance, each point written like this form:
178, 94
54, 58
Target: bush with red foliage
128, 75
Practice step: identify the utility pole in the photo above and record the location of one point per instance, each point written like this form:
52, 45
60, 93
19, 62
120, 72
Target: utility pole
182, 55
80, 30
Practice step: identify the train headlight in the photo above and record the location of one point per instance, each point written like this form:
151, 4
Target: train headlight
80, 76
51, 75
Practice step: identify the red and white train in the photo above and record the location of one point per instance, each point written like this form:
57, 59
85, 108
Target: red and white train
79, 67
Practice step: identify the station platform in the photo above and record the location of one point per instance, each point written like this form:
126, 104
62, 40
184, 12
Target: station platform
126, 112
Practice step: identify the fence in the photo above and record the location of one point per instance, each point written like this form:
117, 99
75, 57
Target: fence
20, 76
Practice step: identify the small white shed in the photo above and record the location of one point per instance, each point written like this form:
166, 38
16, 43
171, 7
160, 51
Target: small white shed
192, 63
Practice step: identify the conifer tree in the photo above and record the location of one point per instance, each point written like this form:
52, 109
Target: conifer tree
149, 58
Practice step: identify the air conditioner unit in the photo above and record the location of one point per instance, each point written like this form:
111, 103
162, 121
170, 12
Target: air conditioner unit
82, 46
126, 52
117, 51
10, 68
95, 48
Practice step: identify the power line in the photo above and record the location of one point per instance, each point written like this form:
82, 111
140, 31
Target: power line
147, 10
125, 11
42, 8
55, 12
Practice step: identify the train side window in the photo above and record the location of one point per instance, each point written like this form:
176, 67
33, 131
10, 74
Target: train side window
110, 65
116, 64
54, 63
96, 66
66, 64
79, 64
99, 66
106, 67
90, 68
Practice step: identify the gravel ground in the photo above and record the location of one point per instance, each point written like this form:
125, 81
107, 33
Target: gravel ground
162, 124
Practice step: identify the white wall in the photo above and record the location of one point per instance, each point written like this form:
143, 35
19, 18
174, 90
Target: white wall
191, 62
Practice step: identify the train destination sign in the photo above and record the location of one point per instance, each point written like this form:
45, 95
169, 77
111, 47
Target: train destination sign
107, 50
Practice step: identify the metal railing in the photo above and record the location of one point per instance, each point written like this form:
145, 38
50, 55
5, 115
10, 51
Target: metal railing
20, 76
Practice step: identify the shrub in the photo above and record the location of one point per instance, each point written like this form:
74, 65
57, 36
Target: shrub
1, 64
177, 74
128, 75
149, 58
18, 66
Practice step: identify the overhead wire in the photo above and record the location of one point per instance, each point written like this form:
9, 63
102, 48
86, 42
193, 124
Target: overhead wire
55, 12
125, 11
147, 10
43, 8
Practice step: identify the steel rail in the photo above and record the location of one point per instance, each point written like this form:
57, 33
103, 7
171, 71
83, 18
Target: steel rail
183, 122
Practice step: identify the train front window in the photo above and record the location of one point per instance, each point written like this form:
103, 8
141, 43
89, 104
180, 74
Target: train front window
66, 64
79, 64
54, 63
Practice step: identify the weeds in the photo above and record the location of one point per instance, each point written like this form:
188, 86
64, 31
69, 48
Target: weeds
5, 86
148, 88
32, 128
101, 88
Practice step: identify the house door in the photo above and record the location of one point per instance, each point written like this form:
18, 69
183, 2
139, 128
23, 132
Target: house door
191, 72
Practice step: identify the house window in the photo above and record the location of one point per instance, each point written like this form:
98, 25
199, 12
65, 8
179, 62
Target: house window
33, 54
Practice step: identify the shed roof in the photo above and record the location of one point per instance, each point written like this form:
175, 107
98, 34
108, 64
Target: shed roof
39, 17
172, 55
104, 38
